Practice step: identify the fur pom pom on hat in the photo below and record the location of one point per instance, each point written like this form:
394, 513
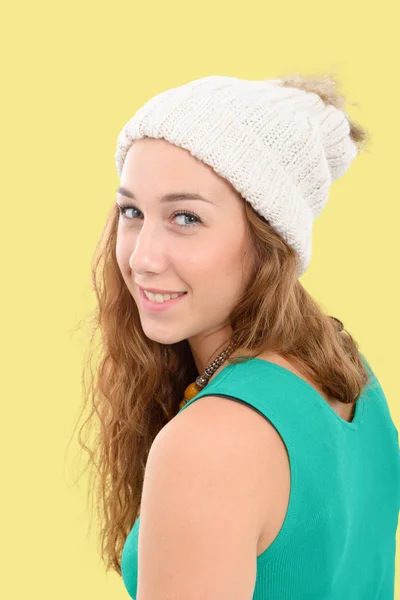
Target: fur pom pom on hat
279, 142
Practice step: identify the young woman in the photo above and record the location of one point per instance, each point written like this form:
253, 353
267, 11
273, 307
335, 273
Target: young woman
241, 427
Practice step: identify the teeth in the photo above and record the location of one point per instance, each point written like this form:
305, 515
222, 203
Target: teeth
160, 297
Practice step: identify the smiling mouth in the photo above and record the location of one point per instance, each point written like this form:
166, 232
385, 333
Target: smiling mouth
158, 298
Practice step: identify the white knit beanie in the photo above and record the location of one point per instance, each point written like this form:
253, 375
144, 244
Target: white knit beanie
280, 147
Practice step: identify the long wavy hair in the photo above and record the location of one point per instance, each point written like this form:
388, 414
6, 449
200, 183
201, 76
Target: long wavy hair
135, 385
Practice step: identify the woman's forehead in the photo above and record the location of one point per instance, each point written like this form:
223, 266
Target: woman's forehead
159, 167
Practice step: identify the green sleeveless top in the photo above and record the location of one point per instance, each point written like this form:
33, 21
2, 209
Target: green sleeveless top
338, 539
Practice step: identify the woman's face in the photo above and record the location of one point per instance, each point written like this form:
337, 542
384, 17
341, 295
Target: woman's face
202, 254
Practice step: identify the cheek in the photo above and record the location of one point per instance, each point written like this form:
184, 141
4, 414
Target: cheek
218, 274
122, 254
119, 252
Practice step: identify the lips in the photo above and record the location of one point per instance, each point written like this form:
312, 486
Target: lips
156, 307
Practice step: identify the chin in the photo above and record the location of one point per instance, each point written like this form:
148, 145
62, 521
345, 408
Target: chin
167, 339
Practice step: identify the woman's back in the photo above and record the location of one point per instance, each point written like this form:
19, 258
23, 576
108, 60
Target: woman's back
337, 539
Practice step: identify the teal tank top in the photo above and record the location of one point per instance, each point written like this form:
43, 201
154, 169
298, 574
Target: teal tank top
338, 539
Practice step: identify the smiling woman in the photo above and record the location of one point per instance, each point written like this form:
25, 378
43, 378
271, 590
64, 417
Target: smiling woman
241, 427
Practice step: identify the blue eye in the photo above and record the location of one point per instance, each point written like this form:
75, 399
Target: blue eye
186, 213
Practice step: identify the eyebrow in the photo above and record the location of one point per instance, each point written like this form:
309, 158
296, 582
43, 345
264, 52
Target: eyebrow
173, 197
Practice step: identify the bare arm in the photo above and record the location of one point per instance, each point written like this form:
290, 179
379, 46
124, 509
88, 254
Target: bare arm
200, 510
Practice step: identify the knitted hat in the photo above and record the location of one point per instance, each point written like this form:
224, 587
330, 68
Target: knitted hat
281, 147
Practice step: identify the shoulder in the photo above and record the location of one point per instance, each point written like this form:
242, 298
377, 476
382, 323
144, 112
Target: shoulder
228, 425
218, 440
209, 482
218, 429
229, 417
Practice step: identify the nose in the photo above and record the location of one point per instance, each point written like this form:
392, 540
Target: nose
149, 253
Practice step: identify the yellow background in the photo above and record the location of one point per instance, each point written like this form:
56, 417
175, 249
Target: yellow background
73, 73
